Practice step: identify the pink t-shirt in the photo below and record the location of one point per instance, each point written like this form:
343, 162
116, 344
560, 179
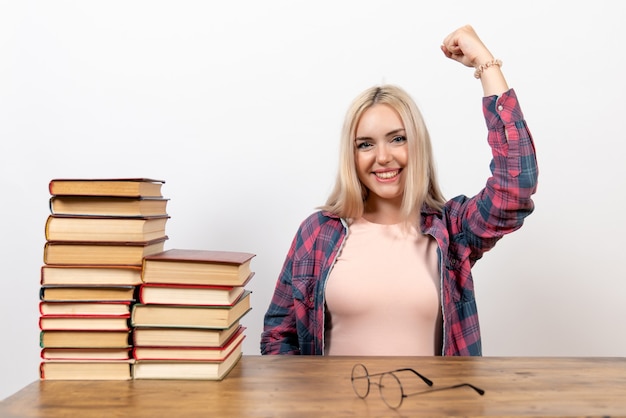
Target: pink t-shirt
382, 295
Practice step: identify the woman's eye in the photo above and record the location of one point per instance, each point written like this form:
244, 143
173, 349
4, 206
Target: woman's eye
399, 138
363, 145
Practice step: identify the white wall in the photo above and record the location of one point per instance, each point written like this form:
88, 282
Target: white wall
238, 106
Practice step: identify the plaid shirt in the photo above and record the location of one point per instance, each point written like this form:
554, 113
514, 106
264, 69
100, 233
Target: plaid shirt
464, 230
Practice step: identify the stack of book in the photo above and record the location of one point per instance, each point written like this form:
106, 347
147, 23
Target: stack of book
97, 234
186, 324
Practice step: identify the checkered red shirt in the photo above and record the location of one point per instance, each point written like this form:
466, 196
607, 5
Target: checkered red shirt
464, 230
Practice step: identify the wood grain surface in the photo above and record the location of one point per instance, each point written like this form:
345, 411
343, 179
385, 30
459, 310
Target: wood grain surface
299, 386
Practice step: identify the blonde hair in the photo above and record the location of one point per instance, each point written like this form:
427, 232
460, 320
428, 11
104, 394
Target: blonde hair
421, 186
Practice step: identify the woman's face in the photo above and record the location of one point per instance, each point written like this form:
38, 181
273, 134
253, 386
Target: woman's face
381, 153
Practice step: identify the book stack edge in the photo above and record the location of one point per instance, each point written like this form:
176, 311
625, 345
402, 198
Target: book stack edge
116, 305
96, 236
187, 319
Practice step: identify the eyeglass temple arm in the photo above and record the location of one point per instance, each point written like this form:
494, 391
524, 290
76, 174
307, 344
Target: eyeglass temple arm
424, 378
460, 385
476, 388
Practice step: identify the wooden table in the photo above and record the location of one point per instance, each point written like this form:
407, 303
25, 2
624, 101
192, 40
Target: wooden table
299, 386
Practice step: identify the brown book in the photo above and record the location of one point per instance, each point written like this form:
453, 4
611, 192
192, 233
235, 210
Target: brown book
200, 267
190, 353
83, 323
185, 294
86, 353
104, 229
84, 308
183, 337
104, 253
129, 187
90, 275
85, 370
81, 294
186, 370
108, 206
190, 316
84, 339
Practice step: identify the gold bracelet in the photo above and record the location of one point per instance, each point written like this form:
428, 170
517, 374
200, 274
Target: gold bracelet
483, 67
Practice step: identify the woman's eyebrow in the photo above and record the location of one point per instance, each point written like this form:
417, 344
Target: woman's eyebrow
390, 133
396, 131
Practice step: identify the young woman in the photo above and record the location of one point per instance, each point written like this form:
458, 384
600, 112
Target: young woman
384, 268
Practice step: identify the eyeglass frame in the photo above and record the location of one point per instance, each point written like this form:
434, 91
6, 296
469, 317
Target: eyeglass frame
369, 382
403, 395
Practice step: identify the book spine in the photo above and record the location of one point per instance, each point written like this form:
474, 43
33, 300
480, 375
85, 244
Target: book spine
45, 254
42, 374
140, 293
47, 228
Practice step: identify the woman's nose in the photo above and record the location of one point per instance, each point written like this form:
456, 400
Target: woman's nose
383, 156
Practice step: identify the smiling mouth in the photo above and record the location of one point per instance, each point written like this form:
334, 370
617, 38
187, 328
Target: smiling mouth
387, 174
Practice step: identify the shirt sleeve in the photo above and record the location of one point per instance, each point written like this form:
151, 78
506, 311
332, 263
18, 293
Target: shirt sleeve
505, 201
279, 334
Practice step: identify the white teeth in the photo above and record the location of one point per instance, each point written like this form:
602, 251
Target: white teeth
387, 174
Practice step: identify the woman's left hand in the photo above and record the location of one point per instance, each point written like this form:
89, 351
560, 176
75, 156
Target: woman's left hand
464, 46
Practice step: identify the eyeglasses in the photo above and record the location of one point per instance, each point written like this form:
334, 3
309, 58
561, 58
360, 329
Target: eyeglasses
390, 386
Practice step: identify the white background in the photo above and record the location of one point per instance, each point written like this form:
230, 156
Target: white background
238, 107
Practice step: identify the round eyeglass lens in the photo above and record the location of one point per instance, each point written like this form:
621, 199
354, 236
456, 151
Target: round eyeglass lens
360, 381
391, 390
